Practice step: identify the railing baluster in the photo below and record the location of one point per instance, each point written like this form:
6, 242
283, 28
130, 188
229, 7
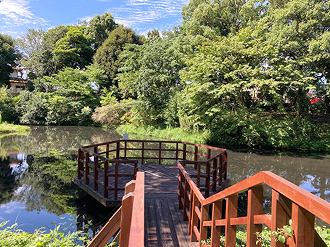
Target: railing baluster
195, 156
105, 180
96, 173
220, 169
126, 218
160, 153
231, 212
142, 153
80, 163
254, 207
207, 179
214, 175
303, 226
215, 230
279, 217
194, 218
87, 168
118, 150
184, 151
204, 217
107, 151
116, 180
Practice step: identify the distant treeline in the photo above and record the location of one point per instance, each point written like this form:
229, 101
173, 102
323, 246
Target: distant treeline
246, 73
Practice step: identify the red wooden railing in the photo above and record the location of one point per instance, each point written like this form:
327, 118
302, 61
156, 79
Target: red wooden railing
99, 157
126, 226
288, 202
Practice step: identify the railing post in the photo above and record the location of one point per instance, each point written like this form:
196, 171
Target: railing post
125, 150
225, 157
207, 180
214, 175
105, 181
215, 230
177, 151
194, 218
80, 163
185, 201
254, 207
87, 168
231, 212
198, 181
160, 153
142, 152
195, 156
279, 217
95, 149
184, 150
181, 178
303, 226
96, 173
116, 180
107, 151
126, 217
220, 170
118, 150
204, 217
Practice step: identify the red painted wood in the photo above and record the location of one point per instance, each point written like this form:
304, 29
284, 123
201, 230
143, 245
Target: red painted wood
254, 207
231, 212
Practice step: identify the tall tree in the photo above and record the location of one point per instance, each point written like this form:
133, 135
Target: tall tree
73, 50
8, 56
99, 28
107, 56
31, 47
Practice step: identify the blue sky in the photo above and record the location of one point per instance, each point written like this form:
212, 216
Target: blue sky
16, 16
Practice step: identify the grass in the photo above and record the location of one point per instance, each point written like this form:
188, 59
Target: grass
6, 128
176, 134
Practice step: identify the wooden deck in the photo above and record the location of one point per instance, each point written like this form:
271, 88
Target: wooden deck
163, 220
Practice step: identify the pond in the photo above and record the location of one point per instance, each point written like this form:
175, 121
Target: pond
37, 170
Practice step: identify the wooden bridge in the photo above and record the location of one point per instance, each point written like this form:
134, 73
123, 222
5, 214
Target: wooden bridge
177, 205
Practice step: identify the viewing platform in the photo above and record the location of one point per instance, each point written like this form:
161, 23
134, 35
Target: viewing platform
184, 205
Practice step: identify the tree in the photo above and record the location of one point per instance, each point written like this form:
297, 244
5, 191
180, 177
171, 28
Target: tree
8, 56
73, 50
107, 56
99, 28
31, 47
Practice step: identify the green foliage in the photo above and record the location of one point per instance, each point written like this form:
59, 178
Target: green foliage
73, 50
99, 28
7, 58
69, 100
107, 55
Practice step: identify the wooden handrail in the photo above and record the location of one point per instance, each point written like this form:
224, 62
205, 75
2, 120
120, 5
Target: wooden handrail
128, 221
215, 167
288, 202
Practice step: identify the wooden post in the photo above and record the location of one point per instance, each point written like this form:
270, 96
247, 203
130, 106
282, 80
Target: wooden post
87, 168
80, 163
214, 175
125, 150
204, 217
225, 157
126, 217
254, 207
195, 156
118, 150
107, 151
185, 201
181, 179
116, 180
194, 218
96, 173
142, 153
231, 212
208, 153
215, 230
177, 151
303, 226
198, 176
130, 187
95, 149
160, 153
279, 217
184, 150
220, 170
105, 182
207, 180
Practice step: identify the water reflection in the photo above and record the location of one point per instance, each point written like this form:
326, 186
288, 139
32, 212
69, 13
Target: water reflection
36, 176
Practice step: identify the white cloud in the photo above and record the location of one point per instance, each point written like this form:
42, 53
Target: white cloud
17, 13
134, 12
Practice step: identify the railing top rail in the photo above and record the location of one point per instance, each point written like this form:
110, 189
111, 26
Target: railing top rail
156, 141
316, 205
136, 236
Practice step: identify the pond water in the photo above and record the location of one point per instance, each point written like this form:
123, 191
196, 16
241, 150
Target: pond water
37, 170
